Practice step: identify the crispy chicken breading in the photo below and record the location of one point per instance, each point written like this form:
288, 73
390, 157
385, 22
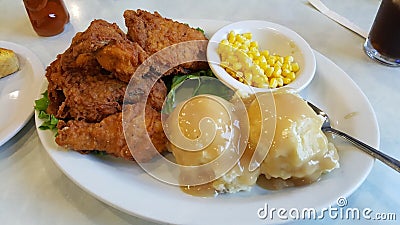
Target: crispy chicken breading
121, 58
108, 135
86, 89
88, 83
154, 33
91, 97
103, 46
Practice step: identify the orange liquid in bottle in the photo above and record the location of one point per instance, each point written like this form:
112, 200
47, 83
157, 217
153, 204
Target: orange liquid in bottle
48, 17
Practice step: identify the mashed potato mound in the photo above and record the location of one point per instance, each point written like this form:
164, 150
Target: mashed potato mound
184, 129
300, 151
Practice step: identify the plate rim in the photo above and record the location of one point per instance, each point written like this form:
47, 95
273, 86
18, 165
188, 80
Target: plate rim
38, 72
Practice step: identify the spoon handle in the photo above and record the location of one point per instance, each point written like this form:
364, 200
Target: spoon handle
394, 163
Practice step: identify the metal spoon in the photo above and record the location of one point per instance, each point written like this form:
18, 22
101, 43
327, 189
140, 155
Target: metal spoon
326, 127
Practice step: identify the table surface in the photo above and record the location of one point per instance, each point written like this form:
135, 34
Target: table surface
34, 191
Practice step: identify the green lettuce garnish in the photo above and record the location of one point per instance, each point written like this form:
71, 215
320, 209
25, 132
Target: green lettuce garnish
203, 82
49, 120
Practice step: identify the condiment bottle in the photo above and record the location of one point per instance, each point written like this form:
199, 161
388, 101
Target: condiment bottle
48, 17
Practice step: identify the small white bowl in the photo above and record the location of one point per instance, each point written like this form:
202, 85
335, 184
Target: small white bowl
272, 37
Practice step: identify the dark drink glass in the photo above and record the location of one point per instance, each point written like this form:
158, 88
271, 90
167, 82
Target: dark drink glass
383, 42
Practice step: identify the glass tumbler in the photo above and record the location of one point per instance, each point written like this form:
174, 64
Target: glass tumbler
383, 42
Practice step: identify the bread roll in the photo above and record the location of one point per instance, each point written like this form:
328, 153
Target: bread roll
8, 62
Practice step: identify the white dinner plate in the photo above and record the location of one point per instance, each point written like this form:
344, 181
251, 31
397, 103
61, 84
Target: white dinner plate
18, 91
125, 186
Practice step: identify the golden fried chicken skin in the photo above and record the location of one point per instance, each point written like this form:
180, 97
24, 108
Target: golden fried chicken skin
154, 33
103, 45
108, 135
87, 87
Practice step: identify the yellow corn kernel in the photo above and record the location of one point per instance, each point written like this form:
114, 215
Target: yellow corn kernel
271, 60
231, 37
263, 65
273, 83
254, 44
265, 53
280, 81
286, 66
236, 45
250, 55
286, 80
289, 59
243, 48
246, 43
280, 59
262, 59
295, 67
253, 49
248, 35
285, 72
239, 38
277, 71
291, 76
269, 71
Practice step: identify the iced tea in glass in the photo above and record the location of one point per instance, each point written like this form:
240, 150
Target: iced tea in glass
383, 42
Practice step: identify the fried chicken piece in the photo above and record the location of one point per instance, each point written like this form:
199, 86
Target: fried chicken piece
154, 33
89, 97
93, 97
80, 53
103, 46
55, 95
108, 135
121, 58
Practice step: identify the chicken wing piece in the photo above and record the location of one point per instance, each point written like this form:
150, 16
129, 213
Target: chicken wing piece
108, 135
154, 33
